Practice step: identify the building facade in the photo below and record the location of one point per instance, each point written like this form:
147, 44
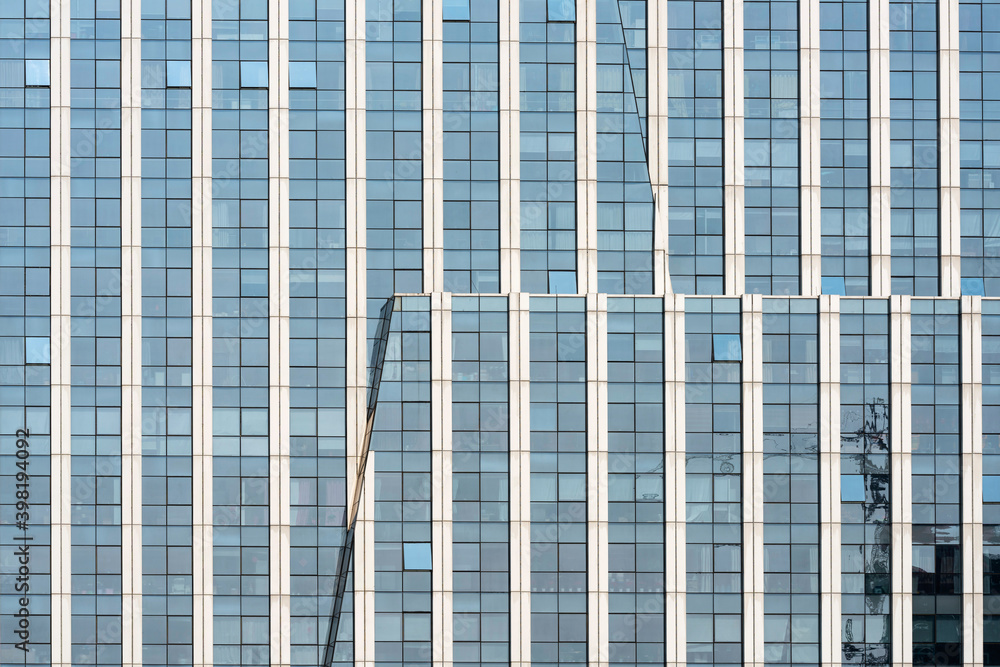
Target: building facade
474, 332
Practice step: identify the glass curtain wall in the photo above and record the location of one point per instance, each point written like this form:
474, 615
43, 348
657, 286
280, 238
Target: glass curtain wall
167, 536
548, 146
558, 481
713, 478
95, 303
695, 158
991, 483
937, 484
240, 333
865, 476
24, 320
480, 480
843, 153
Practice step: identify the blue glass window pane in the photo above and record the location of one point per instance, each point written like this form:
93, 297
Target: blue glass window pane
562, 10
726, 347
852, 488
36, 72
834, 285
301, 75
253, 75
178, 74
991, 489
456, 10
973, 286
417, 556
36, 350
562, 282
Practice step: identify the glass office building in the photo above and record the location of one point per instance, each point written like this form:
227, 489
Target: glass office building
486, 332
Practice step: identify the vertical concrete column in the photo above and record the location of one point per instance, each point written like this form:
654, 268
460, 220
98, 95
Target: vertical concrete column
510, 147
520, 479
657, 51
432, 27
950, 242
972, 479
442, 577
586, 146
734, 226
829, 480
810, 238
59, 336
675, 479
900, 409
131, 330
201, 332
279, 475
879, 211
598, 637
753, 480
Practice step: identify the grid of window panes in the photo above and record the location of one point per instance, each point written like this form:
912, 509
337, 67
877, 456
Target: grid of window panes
480, 481
635, 482
843, 153
558, 481
394, 152
167, 568
713, 479
471, 75
624, 196
913, 133
991, 482
865, 510
95, 303
240, 333
771, 159
695, 155
979, 90
937, 517
401, 451
548, 146
633, 15
24, 323
791, 480
318, 307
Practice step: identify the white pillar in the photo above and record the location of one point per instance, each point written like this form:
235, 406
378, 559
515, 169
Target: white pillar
598, 637
901, 407
586, 146
949, 168
279, 475
520, 480
810, 239
432, 25
675, 481
753, 480
829, 484
658, 103
972, 479
131, 331
734, 241
510, 147
59, 323
201, 332
880, 237
442, 576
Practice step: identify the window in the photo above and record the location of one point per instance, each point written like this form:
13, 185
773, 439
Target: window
301, 75
36, 73
834, 285
852, 488
456, 10
416, 556
562, 10
36, 350
562, 282
973, 286
726, 347
178, 74
253, 75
